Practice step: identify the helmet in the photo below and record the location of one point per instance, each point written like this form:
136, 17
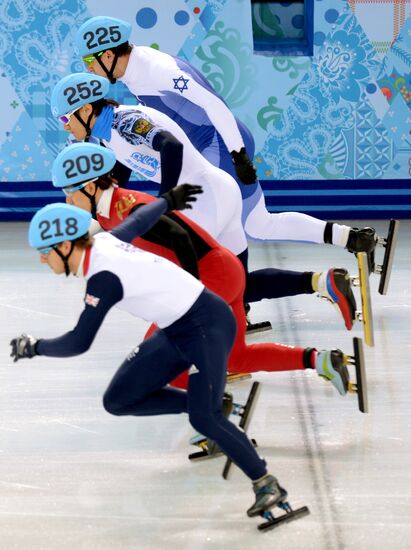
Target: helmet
75, 90
101, 33
56, 223
81, 162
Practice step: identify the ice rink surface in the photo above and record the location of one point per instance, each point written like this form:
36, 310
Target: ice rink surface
74, 477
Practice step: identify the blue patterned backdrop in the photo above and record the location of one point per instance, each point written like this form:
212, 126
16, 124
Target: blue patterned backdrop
332, 131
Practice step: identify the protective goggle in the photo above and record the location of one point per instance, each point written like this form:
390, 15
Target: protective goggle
72, 189
45, 250
65, 119
88, 59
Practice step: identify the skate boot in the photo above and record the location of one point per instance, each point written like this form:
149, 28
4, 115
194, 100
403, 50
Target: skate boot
268, 494
329, 365
363, 240
335, 286
212, 447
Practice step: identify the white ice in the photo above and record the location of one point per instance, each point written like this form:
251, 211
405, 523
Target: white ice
74, 477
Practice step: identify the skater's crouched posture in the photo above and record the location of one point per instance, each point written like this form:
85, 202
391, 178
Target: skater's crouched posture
197, 330
180, 240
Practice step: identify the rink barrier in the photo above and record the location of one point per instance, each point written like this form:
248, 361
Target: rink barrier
325, 199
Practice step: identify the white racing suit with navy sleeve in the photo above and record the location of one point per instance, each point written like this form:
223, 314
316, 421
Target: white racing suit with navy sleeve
130, 132
197, 330
217, 210
176, 88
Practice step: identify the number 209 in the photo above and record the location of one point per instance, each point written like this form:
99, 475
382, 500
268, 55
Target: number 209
83, 165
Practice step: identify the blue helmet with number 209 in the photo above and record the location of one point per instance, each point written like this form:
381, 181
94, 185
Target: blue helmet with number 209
75, 90
81, 162
101, 33
56, 223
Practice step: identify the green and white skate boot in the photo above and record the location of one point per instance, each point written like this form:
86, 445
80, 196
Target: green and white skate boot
329, 364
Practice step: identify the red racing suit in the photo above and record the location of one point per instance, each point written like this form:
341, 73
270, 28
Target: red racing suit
221, 272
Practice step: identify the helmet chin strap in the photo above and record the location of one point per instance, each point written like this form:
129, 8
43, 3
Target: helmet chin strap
92, 199
110, 72
65, 258
86, 125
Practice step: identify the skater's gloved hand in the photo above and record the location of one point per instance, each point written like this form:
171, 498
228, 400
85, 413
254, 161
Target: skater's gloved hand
180, 197
246, 172
23, 346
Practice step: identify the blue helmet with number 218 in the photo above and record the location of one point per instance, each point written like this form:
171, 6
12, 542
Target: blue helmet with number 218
56, 223
75, 90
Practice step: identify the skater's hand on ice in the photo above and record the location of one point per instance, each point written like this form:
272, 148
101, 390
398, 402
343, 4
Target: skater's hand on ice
179, 197
244, 168
23, 346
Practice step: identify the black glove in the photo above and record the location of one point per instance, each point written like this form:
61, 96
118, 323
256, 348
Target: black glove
23, 346
179, 197
246, 172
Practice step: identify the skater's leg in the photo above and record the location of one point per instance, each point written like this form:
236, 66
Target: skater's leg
268, 356
206, 387
276, 283
138, 387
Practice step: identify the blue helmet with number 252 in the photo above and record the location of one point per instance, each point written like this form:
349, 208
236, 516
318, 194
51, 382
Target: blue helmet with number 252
75, 90
56, 223
101, 33
81, 162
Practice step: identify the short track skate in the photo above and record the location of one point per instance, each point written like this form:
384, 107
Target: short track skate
289, 515
389, 243
360, 385
363, 282
254, 328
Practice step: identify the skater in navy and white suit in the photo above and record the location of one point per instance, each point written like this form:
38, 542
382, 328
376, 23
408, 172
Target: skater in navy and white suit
197, 328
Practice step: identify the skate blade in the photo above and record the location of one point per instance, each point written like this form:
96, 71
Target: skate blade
203, 455
254, 328
237, 377
365, 315
290, 515
389, 244
199, 441
360, 386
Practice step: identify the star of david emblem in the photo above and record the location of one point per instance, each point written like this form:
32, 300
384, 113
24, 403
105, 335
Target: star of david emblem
180, 84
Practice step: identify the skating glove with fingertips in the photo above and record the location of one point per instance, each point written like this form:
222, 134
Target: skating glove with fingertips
23, 347
179, 197
244, 168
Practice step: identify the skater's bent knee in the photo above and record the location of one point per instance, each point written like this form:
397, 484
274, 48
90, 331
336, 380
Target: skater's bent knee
111, 406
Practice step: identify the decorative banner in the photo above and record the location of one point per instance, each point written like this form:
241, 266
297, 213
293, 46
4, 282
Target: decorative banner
342, 114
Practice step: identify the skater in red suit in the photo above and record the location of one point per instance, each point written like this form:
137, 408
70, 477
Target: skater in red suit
182, 241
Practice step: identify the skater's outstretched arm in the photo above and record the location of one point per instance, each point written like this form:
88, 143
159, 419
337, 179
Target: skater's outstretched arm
103, 291
171, 154
143, 219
